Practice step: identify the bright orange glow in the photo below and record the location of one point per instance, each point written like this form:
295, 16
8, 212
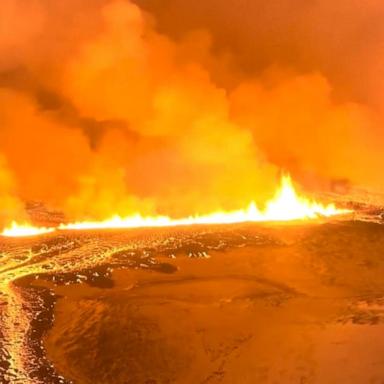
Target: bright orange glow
286, 205
24, 230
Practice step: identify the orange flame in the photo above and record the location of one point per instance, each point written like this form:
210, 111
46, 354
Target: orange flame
24, 230
286, 205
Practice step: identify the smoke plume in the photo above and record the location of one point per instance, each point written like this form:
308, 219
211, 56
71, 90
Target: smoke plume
162, 107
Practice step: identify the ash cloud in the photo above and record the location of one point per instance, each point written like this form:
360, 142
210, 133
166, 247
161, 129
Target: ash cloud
165, 107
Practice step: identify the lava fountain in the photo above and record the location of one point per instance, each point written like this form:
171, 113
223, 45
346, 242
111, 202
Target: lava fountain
24, 230
286, 205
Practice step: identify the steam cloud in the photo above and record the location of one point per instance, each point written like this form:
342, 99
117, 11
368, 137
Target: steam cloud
109, 108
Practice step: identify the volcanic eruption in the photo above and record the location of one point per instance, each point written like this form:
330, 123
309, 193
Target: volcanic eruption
105, 113
139, 135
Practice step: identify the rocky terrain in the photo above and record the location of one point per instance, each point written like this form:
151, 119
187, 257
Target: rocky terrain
297, 303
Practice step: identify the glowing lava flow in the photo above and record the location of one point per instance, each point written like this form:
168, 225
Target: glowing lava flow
285, 206
25, 230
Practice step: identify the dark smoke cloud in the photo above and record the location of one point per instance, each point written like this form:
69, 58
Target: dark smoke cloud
342, 39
